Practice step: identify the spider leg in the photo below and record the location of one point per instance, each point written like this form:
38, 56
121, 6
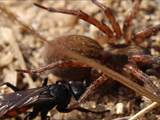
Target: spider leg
92, 87
127, 30
62, 64
89, 91
146, 33
141, 76
14, 88
108, 12
148, 60
145, 59
81, 15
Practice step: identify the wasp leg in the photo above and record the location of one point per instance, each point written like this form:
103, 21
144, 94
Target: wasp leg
91, 111
34, 113
81, 109
42, 109
44, 115
14, 88
31, 115
45, 82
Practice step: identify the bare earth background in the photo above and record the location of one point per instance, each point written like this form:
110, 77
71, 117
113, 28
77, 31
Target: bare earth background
20, 49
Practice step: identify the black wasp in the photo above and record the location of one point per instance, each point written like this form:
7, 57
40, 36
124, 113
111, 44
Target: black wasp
42, 99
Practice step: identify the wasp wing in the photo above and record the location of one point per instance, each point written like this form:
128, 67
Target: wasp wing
20, 99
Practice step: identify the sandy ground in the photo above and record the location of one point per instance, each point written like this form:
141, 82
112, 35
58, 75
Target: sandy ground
21, 49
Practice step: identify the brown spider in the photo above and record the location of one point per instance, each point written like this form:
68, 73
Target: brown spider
128, 57
121, 57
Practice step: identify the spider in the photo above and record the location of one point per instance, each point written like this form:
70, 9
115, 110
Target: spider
126, 58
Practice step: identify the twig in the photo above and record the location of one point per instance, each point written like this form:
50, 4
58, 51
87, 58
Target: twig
13, 43
17, 52
14, 17
122, 118
144, 111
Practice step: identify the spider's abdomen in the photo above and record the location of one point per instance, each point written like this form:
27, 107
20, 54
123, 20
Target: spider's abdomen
77, 43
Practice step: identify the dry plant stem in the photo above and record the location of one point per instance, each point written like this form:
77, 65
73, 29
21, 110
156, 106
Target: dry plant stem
18, 54
20, 58
122, 118
14, 17
128, 20
82, 15
14, 44
112, 74
144, 111
108, 12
